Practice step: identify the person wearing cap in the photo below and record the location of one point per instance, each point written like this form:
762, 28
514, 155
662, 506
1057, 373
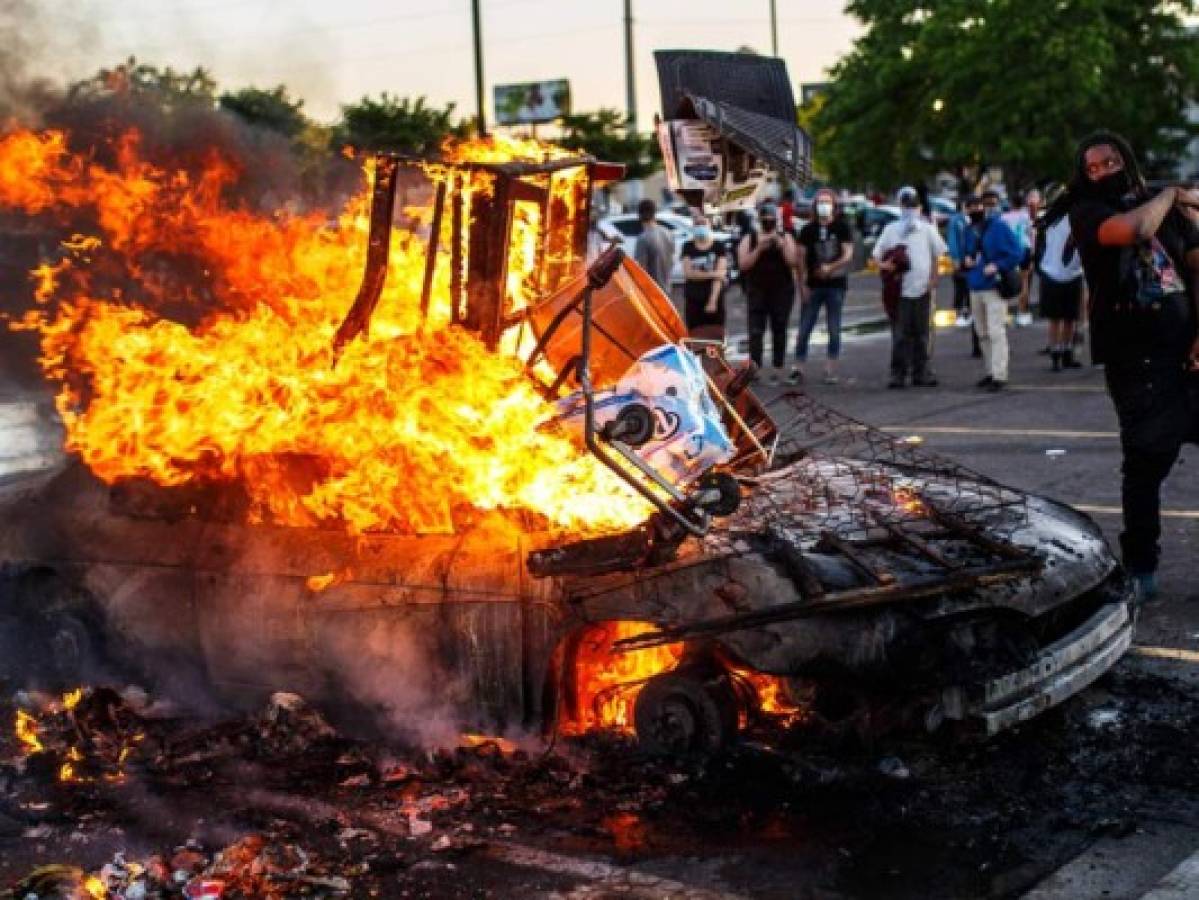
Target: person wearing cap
766, 260
994, 250
911, 327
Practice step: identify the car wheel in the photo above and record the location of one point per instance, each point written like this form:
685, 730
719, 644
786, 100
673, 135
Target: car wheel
687, 711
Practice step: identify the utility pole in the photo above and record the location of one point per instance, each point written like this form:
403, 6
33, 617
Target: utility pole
474, 8
774, 29
630, 85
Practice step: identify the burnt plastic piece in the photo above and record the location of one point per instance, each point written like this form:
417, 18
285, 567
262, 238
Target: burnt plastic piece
651, 544
727, 491
593, 556
601, 271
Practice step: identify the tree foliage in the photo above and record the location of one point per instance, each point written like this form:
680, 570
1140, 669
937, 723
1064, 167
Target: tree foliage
273, 109
964, 84
395, 123
605, 135
147, 84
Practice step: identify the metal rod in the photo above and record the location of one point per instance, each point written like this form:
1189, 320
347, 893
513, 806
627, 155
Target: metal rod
456, 249
629, 70
858, 598
431, 251
477, 22
859, 562
774, 29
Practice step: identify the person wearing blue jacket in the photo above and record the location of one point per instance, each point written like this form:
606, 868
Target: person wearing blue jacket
956, 236
993, 250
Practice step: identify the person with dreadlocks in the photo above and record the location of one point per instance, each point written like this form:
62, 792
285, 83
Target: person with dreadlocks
1140, 256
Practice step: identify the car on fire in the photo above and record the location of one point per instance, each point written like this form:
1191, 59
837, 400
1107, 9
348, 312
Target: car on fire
814, 569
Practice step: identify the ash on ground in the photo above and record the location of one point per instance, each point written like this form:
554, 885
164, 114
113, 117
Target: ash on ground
279, 804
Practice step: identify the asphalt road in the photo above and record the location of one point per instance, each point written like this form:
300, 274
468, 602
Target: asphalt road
1096, 799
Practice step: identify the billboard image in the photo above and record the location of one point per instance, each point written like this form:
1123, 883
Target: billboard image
532, 103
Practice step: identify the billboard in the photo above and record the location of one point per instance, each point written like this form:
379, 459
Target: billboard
532, 103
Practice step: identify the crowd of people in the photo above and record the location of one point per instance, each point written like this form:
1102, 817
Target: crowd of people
999, 259
1104, 249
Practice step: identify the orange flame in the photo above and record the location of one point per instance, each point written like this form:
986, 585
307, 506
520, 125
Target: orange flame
27, 733
417, 429
607, 683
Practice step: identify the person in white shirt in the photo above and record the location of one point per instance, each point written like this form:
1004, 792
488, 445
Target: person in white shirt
911, 327
1062, 289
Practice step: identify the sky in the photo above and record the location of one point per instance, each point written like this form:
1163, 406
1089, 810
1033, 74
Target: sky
330, 52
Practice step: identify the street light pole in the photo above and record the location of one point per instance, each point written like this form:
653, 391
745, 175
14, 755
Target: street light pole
478, 29
629, 81
774, 30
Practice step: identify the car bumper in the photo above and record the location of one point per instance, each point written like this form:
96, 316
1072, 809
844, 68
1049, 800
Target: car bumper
1063, 669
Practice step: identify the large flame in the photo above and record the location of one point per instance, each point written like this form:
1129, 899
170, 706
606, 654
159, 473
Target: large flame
227, 374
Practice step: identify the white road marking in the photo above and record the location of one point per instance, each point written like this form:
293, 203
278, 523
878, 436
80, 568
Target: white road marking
1116, 511
1180, 884
1174, 653
628, 882
1120, 866
1000, 432
1068, 388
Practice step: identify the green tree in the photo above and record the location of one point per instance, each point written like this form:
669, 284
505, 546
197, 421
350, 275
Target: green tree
142, 83
960, 85
605, 135
395, 123
272, 109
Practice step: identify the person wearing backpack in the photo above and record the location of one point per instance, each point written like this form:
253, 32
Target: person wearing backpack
1140, 255
912, 323
1060, 269
993, 274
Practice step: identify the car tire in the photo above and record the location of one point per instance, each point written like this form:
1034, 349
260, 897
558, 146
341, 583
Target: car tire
690, 711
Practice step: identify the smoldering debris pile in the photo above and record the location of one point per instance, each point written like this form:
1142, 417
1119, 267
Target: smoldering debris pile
278, 803
254, 866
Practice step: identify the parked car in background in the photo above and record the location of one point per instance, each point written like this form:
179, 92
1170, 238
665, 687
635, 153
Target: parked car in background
871, 220
943, 211
626, 228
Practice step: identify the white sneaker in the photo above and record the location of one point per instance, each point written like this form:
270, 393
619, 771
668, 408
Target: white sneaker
1023, 319
963, 320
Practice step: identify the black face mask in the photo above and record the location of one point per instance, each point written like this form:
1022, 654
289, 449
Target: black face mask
768, 224
1114, 186
977, 216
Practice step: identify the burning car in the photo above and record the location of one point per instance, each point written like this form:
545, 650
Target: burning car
281, 498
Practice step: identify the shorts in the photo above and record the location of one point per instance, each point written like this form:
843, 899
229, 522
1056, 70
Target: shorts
1061, 300
696, 315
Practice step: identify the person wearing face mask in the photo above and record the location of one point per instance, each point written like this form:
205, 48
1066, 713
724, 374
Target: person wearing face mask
992, 251
1140, 257
1023, 221
971, 211
912, 324
825, 251
766, 259
705, 267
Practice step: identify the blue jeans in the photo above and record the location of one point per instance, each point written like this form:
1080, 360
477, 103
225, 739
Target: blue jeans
832, 299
